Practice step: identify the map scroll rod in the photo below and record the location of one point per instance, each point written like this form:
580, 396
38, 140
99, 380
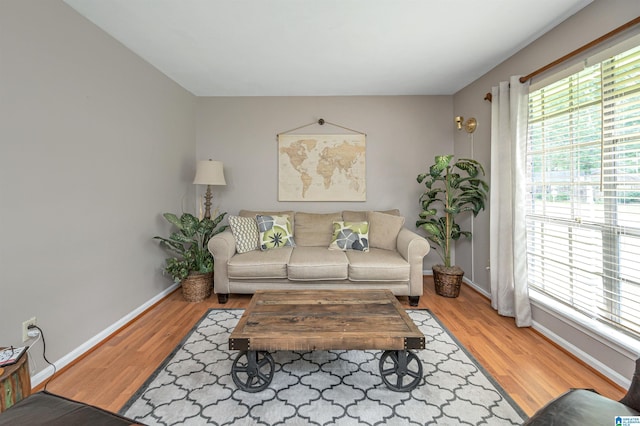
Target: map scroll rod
321, 122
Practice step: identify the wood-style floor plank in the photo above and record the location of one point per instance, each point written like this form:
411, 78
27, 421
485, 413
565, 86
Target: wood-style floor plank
528, 366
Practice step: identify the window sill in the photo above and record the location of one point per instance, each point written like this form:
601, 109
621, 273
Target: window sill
601, 332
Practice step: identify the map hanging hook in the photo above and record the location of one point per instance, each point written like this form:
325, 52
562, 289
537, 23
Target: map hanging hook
321, 122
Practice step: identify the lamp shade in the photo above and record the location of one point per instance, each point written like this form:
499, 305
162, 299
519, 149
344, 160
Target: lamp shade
209, 172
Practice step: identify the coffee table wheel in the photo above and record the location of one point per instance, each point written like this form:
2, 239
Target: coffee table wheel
252, 371
401, 371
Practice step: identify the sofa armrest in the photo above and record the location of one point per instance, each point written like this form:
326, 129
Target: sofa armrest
578, 407
222, 246
413, 248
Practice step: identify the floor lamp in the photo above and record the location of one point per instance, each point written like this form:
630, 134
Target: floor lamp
209, 172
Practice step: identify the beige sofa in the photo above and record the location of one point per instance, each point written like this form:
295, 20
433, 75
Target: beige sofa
394, 259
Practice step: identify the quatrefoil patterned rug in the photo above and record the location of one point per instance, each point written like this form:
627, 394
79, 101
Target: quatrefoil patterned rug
194, 385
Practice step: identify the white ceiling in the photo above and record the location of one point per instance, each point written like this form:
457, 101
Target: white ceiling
325, 47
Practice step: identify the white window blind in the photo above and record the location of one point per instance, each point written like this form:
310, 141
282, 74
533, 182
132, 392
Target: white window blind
583, 213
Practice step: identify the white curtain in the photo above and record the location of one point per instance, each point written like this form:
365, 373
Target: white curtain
509, 110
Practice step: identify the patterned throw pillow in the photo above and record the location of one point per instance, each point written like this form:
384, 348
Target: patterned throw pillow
275, 231
350, 236
245, 231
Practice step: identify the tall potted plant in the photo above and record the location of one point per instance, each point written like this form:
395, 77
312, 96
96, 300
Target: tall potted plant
192, 263
451, 189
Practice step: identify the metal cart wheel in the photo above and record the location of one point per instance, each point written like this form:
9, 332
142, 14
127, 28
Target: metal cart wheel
252, 371
401, 371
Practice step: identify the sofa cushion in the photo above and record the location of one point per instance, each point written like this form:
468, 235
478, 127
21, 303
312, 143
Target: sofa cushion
350, 236
354, 216
315, 230
274, 231
384, 229
377, 265
362, 215
259, 264
317, 264
245, 232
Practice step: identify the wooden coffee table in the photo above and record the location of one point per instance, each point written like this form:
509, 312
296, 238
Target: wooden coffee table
305, 320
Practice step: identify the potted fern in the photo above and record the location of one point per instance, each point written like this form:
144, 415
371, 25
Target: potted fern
192, 263
451, 189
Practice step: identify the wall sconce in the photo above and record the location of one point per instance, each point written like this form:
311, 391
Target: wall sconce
469, 126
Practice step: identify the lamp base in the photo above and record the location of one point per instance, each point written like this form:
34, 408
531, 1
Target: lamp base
207, 203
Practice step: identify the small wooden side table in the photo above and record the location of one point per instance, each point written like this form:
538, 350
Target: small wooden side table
15, 382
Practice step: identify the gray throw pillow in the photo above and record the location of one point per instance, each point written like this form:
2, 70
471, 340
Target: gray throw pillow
245, 231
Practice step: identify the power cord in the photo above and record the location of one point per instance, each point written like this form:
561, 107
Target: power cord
32, 361
44, 356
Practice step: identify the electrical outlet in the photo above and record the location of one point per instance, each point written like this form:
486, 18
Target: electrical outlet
25, 328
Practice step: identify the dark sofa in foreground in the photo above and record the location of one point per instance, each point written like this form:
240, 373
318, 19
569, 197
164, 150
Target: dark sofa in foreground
47, 409
581, 407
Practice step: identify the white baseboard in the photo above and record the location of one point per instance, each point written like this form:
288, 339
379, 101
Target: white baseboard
477, 288
613, 375
86, 346
583, 356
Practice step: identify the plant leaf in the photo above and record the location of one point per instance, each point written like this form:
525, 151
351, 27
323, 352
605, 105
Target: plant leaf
218, 219
190, 224
431, 228
181, 238
428, 212
442, 162
466, 234
173, 219
470, 168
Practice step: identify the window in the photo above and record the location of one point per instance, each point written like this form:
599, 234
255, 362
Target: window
583, 175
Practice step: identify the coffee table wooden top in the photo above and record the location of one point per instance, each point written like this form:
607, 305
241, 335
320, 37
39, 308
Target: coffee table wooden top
324, 320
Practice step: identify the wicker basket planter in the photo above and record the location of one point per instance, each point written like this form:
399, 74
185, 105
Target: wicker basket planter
197, 287
447, 280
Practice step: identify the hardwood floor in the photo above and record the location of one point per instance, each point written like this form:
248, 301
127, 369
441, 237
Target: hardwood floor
529, 367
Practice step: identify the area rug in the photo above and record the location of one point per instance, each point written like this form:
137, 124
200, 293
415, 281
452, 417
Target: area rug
194, 386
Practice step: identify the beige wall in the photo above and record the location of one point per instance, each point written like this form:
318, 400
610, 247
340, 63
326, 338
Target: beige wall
404, 133
595, 20
94, 145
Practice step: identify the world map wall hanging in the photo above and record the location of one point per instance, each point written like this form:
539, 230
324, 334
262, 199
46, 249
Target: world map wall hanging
321, 167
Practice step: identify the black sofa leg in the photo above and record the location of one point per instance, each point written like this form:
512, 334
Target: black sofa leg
223, 298
414, 300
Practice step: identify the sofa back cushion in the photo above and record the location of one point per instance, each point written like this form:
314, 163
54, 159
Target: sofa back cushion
355, 216
314, 229
363, 215
384, 229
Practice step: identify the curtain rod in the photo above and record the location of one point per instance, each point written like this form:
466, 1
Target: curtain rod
579, 50
576, 52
